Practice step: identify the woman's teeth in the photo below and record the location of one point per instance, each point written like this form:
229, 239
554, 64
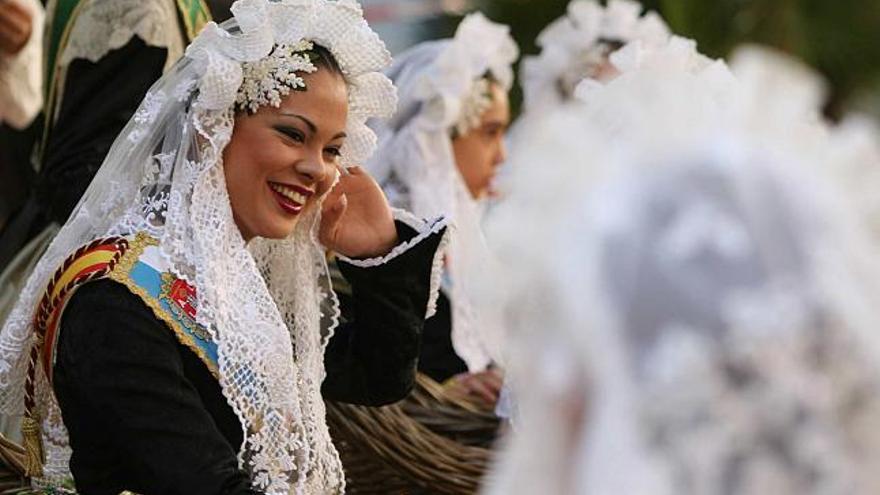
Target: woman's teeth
289, 193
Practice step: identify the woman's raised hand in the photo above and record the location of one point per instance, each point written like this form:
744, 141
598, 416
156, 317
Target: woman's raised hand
356, 220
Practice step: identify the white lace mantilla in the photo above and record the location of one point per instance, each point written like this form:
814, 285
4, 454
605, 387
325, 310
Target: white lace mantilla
762, 413
710, 279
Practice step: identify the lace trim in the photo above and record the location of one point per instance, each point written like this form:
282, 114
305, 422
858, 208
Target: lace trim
425, 230
437, 273
573, 47
263, 310
106, 25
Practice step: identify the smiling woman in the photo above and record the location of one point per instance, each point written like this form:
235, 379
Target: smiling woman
280, 157
186, 334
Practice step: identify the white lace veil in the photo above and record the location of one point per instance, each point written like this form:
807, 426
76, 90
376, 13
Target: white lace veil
580, 45
416, 166
261, 301
572, 45
706, 320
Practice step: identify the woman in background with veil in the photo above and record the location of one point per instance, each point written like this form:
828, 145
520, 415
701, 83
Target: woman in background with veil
439, 155
579, 45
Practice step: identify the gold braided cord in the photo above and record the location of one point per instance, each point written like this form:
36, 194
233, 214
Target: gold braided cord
30, 427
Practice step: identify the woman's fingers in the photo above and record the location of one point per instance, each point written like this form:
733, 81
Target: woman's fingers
493, 379
481, 389
330, 218
479, 386
367, 229
334, 194
14, 13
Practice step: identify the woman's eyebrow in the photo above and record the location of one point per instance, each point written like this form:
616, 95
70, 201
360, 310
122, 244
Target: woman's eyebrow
492, 124
311, 125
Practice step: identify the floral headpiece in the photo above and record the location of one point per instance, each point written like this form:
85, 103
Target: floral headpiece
265, 60
480, 47
677, 55
576, 43
477, 101
269, 79
713, 150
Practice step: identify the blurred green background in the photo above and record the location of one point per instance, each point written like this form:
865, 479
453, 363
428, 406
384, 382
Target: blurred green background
840, 38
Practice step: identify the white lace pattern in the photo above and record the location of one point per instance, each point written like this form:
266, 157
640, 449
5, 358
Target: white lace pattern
425, 230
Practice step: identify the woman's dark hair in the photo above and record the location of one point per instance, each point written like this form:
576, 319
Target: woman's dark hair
611, 44
323, 58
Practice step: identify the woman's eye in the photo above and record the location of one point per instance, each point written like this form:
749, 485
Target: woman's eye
292, 133
334, 152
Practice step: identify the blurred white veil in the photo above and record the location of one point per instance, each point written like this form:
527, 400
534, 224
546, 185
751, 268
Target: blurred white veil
695, 308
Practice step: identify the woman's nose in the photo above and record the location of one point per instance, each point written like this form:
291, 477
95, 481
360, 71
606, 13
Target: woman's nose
312, 168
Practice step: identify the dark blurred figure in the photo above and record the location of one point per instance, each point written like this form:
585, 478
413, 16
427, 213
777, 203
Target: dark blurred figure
16, 173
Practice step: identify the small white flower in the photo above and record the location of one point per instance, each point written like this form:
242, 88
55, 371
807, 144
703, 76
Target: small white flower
475, 104
269, 79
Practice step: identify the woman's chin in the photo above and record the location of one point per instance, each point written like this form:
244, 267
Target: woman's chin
279, 230
482, 194
270, 223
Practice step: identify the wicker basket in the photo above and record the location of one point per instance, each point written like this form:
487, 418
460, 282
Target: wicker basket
428, 443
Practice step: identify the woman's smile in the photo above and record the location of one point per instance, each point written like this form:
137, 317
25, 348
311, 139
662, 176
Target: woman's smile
291, 198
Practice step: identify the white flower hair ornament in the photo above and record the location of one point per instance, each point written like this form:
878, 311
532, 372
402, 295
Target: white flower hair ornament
577, 44
264, 61
458, 77
677, 55
269, 79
